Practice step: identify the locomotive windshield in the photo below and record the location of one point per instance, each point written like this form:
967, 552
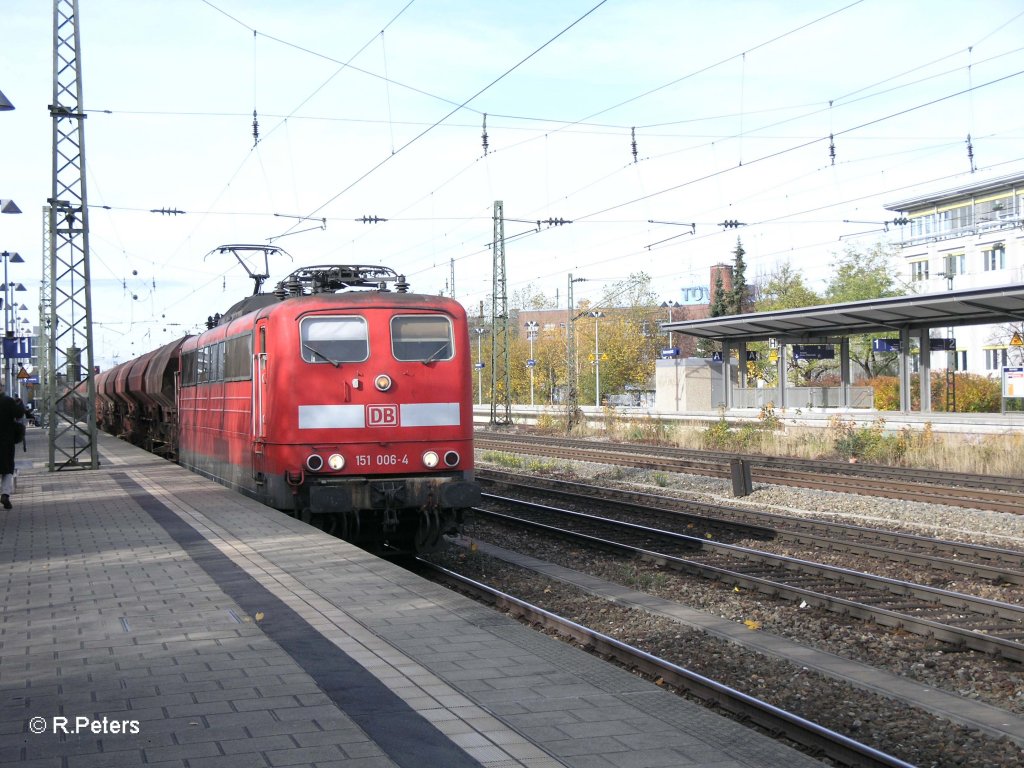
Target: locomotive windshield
421, 337
333, 339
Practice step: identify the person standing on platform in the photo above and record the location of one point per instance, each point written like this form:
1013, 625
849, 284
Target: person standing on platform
12, 432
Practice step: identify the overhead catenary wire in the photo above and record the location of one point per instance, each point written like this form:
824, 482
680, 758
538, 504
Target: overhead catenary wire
490, 85
395, 219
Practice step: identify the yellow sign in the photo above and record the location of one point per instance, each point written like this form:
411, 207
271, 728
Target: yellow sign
773, 356
22, 374
1016, 341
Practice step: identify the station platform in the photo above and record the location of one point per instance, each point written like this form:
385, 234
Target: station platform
152, 617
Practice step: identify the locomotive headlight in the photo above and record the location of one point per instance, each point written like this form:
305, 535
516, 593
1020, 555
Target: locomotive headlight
336, 461
430, 459
451, 458
314, 462
382, 382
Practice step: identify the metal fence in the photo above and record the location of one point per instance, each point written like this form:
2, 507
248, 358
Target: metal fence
804, 397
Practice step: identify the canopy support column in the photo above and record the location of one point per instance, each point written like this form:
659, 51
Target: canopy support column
727, 375
905, 370
844, 372
925, 370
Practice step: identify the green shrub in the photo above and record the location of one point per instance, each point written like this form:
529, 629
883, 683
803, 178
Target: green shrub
870, 442
721, 437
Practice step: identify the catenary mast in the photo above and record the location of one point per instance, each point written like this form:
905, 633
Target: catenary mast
70, 386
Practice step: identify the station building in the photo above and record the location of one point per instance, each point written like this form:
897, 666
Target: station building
964, 238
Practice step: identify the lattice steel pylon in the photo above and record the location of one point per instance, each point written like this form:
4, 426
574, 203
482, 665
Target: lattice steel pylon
501, 390
45, 303
70, 399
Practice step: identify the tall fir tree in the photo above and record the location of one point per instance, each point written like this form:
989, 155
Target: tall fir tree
719, 301
737, 299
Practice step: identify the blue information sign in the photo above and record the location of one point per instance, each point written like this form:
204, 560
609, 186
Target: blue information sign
18, 346
885, 345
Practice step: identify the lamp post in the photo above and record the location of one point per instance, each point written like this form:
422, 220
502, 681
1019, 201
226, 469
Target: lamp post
13, 258
531, 334
480, 363
597, 315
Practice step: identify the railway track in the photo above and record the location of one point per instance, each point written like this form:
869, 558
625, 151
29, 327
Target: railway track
727, 523
822, 741
969, 622
956, 489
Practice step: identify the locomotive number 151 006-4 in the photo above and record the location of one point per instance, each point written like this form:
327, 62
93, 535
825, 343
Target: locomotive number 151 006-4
381, 460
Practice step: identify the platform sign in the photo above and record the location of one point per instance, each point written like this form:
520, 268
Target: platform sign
1013, 382
670, 352
885, 345
480, 365
942, 345
752, 356
18, 346
530, 363
813, 352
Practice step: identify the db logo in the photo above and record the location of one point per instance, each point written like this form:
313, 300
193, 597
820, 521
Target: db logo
382, 415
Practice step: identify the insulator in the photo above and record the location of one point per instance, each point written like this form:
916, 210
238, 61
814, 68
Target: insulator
401, 285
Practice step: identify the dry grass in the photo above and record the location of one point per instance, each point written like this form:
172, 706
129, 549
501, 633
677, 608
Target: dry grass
996, 455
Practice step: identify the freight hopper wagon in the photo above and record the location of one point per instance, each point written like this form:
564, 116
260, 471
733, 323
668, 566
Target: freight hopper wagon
339, 398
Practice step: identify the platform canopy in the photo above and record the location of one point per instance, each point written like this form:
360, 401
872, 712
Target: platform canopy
975, 306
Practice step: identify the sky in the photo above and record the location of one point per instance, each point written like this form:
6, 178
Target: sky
377, 108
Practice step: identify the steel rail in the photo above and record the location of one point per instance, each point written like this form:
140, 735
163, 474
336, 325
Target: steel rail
861, 485
908, 616
990, 563
817, 738
929, 476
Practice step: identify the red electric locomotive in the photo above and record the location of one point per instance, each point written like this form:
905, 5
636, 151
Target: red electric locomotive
340, 398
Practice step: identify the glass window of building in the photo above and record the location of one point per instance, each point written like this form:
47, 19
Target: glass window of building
994, 257
954, 264
995, 359
919, 270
